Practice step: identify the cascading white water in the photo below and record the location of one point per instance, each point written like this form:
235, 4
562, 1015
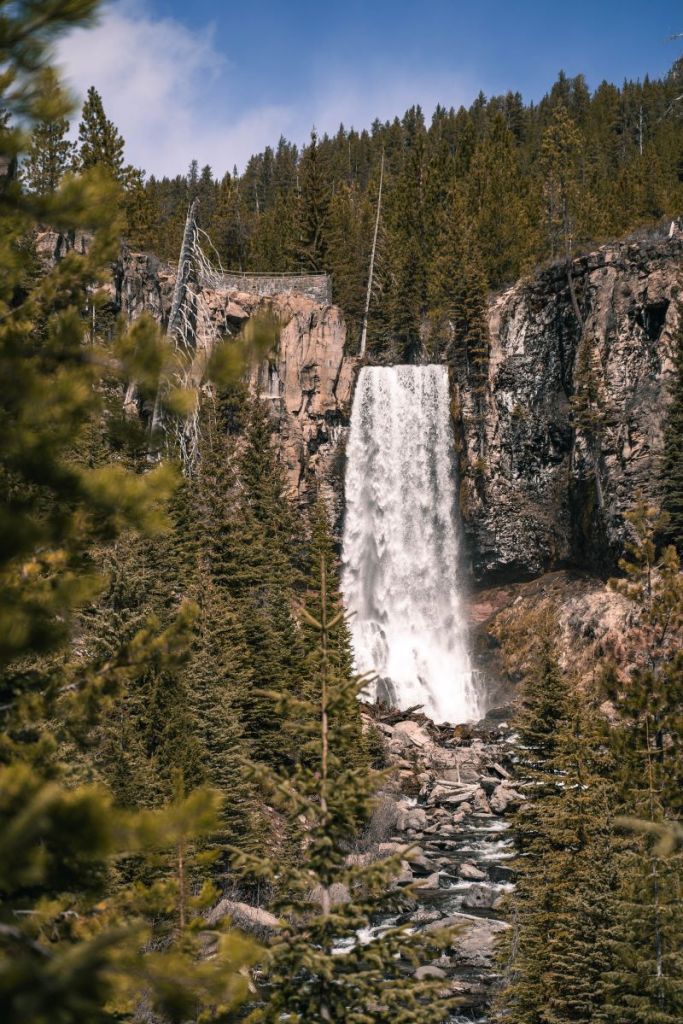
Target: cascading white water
400, 550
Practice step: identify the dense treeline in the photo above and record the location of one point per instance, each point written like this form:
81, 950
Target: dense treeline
471, 201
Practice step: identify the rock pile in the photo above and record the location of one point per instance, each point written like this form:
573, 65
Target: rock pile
451, 800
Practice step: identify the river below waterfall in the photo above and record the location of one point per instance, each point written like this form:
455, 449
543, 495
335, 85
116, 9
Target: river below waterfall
454, 796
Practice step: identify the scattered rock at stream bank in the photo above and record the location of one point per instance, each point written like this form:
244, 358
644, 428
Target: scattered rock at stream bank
448, 813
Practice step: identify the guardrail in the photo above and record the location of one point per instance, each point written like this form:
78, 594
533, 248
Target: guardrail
314, 286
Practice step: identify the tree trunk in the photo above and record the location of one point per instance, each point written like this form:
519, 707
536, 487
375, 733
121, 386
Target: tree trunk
364, 331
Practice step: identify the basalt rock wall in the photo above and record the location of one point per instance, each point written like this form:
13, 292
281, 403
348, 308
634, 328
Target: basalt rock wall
551, 450
571, 422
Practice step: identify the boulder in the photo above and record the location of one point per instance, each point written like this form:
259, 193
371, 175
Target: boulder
424, 916
430, 882
416, 857
474, 937
480, 802
480, 897
244, 916
505, 797
405, 876
410, 733
471, 872
429, 971
451, 795
413, 817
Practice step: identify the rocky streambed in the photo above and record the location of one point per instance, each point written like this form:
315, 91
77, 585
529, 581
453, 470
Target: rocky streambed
449, 806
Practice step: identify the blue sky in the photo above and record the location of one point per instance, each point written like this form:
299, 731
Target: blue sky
219, 81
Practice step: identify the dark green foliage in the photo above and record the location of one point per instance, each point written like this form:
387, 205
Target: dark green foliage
557, 952
345, 729
72, 931
258, 555
100, 142
647, 974
307, 977
314, 208
458, 292
50, 153
535, 181
595, 914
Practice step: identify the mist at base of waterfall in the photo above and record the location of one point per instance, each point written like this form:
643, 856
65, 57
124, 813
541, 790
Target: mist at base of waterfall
400, 566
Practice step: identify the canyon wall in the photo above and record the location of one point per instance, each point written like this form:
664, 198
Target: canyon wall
569, 426
572, 418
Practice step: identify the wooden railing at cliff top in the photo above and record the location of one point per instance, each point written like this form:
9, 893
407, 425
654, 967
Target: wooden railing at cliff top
314, 286
193, 262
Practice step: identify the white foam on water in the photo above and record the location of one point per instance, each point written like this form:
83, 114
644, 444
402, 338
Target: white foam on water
400, 572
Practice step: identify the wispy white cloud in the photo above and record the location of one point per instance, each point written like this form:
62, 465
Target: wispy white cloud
156, 76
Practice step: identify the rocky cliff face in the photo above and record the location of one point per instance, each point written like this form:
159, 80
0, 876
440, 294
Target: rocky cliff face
571, 421
573, 415
307, 381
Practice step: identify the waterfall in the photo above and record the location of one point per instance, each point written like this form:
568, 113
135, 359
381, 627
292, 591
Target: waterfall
400, 553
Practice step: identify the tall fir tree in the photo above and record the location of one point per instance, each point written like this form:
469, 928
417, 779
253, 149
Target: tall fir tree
315, 970
99, 140
314, 206
557, 951
71, 948
646, 980
50, 153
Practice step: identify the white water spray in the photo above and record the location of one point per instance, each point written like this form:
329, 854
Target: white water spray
400, 553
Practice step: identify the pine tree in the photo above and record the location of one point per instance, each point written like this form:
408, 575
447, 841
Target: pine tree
139, 210
346, 731
559, 165
315, 969
70, 948
260, 565
100, 142
504, 232
50, 154
558, 949
314, 203
646, 980
458, 296
221, 673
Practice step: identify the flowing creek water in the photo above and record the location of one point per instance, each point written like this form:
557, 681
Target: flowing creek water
460, 825
401, 578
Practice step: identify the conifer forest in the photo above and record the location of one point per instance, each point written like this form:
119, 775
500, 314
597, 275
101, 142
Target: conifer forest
341, 604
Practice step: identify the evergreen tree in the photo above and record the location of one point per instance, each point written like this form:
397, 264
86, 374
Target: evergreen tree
260, 561
70, 946
458, 293
345, 731
559, 164
315, 969
50, 154
558, 950
314, 202
139, 210
100, 142
646, 979
503, 226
